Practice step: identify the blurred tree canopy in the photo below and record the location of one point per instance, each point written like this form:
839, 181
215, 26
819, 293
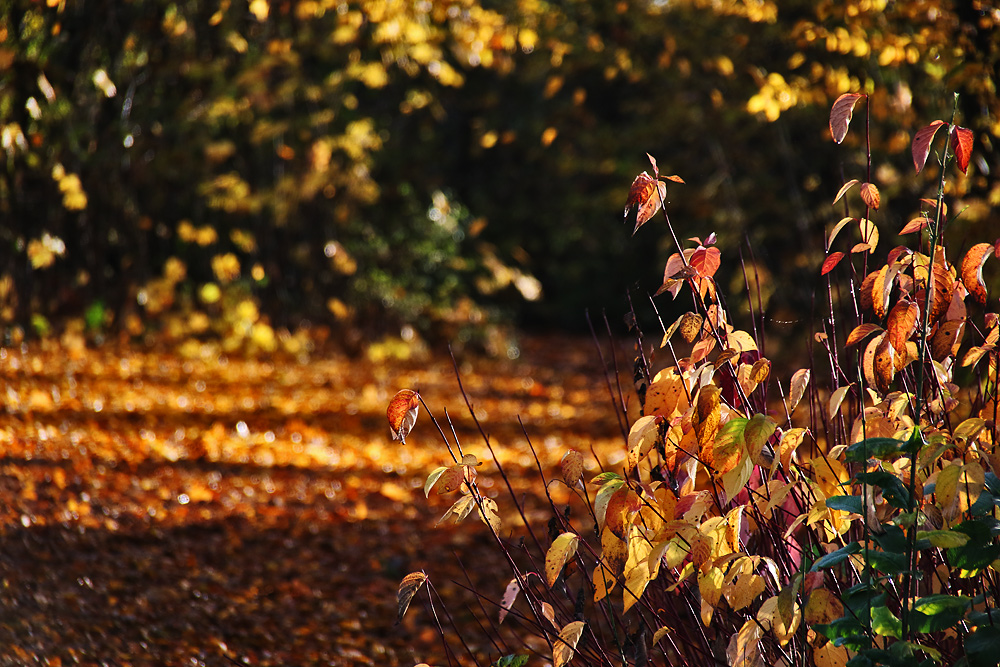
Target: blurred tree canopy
367, 165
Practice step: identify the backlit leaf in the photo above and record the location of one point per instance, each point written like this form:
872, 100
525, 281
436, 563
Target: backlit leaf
840, 115
489, 515
402, 413
728, 448
944, 539
707, 413
844, 189
572, 467
922, 143
884, 365
641, 439
407, 589
800, 380
836, 230
861, 332
432, 479
831, 261
836, 399
915, 225
691, 326
961, 145
758, 431
460, 509
822, 607
452, 478
947, 339
902, 323
870, 195
565, 646
972, 270
706, 261
561, 550
509, 595
869, 232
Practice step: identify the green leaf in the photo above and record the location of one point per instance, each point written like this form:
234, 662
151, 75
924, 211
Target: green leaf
980, 550
887, 563
885, 623
512, 660
943, 539
892, 488
873, 448
605, 477
846, 503
934, 613
838, 556
893, 540
983, 646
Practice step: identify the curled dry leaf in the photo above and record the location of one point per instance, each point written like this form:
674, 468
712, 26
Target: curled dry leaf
870, 195
861, 332
561, 550
407, 589
564, 648
961, 145
760, 370
972, 270
646, 195
402, 413
691, 326
922, 143
830, 262
840, 115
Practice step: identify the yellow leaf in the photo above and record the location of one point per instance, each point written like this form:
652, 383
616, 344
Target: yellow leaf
569, 636
561, 550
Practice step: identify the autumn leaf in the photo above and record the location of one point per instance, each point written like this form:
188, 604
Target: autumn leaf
706, 261
902, 323
922, 143
728, 448
402, 413
915, 225
572, 467
459, 510
836, 230
646, 194
870, 195
961, 145
565, 646
407, 589
830, 262
800, 380
844, 189
840, 115
561, 550
507, 601
758, 431
836, 399
861, 332
691, 326
946, 339
707, 412
972, 270
452, 478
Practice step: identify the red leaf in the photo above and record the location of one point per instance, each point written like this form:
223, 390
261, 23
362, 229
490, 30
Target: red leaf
972, 270
961, 144
643, 194
870, 195
402, 413
902, 323
706, 261
915, 225
922, 143
840, 115
831, 262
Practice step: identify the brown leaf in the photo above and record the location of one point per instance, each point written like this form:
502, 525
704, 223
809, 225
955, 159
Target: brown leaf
572, 467
565, 646
402, 413
656, 169
831, 261
915, 225
840, 115
870, 195
961, 144
691, 326
622, 506
844, 188
902, 323
947, 339
922, 143
407, 589
861, 332
972, 270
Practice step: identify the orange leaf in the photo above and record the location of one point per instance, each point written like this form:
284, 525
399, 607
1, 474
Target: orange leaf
915, 225
861, 332
830, 262
843, 190
884, 365
870, 195
972, 270
674, 178
922, 143
402, 413
407, 589
646, 193
902, 323
840, 115
947, 339
706, 261
572, 467
961, 144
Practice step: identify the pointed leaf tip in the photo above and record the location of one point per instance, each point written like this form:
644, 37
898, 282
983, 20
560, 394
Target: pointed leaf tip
922, 143
840, 115
961, 144
402, 413
831, 262
407, 589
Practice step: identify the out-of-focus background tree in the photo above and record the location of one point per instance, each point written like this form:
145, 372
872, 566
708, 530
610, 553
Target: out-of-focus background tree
244, 171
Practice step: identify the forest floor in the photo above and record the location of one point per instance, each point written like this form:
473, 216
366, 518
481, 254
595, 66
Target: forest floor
156, 510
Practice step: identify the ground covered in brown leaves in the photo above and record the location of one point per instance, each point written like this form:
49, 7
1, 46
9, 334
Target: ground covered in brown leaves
158, 510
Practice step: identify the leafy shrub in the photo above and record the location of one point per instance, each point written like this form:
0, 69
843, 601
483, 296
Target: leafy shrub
843, 513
